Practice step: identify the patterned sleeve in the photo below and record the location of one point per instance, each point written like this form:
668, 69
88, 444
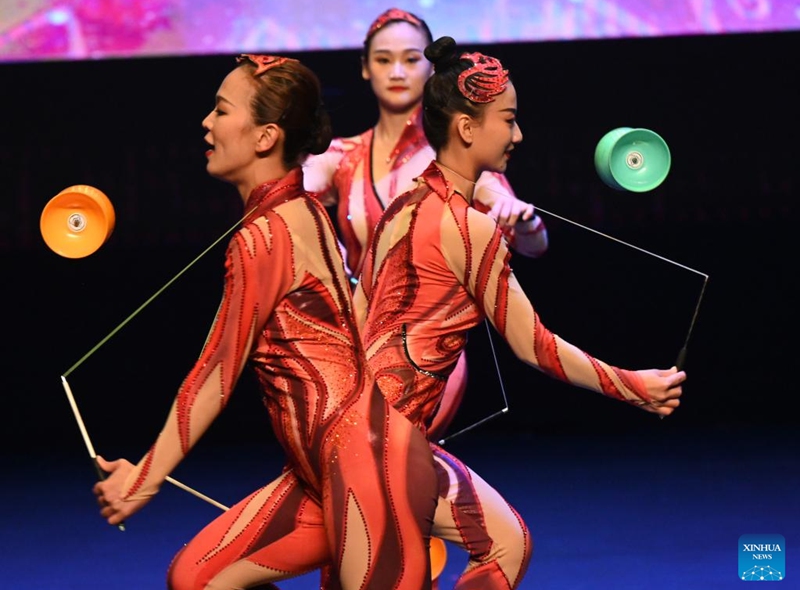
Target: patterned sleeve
319, 171
478, 254
259, 273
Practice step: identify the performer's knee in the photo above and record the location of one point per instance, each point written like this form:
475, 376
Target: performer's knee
512, 552
182, 575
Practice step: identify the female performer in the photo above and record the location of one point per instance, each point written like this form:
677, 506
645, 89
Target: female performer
361, 175
436, 267
361, 489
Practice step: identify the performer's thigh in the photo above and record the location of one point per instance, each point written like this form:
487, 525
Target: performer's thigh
275, 533
473, 515
382, 499
451, 400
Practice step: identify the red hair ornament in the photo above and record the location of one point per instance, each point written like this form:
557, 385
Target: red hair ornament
483, 81
263, 63
390, 16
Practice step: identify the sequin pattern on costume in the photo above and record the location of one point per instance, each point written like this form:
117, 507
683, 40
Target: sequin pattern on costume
287, 311
343, 176
390, 16
483, 80
460, 260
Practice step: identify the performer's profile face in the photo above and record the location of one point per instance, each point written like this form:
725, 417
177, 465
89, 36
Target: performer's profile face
396, 66
497, 132
231, 131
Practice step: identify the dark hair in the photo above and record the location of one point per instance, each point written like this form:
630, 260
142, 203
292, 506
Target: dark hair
290, 96
441, 98
387, 19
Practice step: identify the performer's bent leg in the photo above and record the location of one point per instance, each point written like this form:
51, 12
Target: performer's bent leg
274, 534
381, 502
475, 516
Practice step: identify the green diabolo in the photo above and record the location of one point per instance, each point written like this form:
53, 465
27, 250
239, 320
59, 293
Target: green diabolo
632, 159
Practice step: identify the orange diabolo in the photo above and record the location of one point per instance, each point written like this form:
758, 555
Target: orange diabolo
438, 557
77, 221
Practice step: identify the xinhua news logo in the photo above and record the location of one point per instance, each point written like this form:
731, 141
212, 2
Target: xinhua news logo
762, 558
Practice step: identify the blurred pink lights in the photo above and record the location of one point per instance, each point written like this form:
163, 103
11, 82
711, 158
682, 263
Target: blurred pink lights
33, 30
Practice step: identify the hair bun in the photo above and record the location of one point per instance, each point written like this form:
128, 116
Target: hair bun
442, 53
321, 131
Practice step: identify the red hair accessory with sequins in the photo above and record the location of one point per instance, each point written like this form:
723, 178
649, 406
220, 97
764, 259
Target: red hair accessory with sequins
484, 80
390, 16
264, 62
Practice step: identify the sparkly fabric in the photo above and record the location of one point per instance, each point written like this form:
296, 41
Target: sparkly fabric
263, 63
390, 16
286, 310
342, 178
438, 267
484, 80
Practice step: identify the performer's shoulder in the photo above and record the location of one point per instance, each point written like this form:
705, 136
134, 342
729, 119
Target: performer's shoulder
348, 144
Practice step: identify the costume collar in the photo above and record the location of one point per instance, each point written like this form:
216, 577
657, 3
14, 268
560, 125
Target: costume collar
268, 194
411, 140
434, 178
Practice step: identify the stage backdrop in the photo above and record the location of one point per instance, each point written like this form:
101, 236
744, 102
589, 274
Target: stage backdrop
95, 29
725, 104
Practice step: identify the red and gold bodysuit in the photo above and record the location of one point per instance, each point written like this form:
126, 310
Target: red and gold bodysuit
361, 489
435, 269
342, 177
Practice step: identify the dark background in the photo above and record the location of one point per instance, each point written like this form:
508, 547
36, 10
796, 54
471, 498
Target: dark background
726, 105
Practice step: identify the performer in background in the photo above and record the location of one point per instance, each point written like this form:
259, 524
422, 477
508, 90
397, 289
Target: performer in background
361, 175
436, 267
360, 489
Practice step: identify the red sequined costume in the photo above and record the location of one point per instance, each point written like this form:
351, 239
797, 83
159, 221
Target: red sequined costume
342, 176
435, 269
287, 311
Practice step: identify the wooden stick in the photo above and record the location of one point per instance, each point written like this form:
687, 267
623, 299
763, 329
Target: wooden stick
186, 488
101, 474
